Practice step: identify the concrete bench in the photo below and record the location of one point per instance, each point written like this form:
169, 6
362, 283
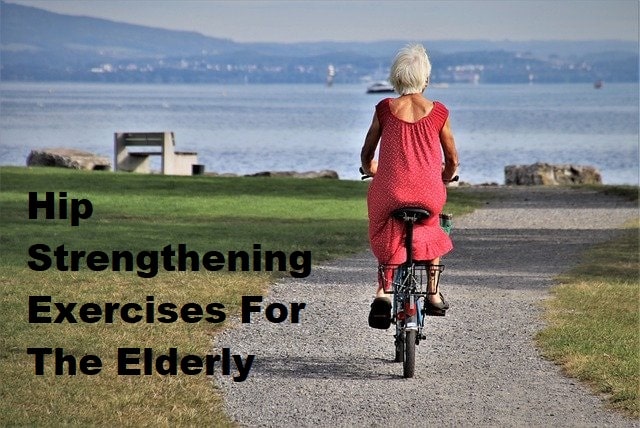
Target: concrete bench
171, 161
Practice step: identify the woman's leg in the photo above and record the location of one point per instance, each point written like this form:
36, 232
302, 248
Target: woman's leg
385, 278
434, 282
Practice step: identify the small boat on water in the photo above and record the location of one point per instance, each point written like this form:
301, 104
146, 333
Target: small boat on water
381, 86
331, 73
598, 84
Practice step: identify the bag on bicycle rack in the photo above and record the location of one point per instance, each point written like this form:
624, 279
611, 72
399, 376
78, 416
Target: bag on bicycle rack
446, 222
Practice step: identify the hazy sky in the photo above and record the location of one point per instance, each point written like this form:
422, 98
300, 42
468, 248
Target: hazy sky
353, 20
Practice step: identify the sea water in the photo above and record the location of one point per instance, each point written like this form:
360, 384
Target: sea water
244, 129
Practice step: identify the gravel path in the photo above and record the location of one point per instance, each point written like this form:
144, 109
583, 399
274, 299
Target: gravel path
478, 365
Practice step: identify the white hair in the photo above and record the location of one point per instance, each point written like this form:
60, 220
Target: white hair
410, 70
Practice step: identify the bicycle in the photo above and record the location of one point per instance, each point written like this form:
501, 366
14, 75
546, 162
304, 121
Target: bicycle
410, 287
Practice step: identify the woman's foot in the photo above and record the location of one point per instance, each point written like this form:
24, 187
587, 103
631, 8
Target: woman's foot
380, 314
435, 305
437, 300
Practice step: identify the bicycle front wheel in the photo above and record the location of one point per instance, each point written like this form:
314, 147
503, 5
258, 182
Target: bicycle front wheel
409, 363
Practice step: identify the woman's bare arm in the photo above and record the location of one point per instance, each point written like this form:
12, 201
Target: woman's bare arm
450, 152
369, 165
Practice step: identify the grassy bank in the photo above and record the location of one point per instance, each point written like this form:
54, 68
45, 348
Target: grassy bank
137, 213
594, 320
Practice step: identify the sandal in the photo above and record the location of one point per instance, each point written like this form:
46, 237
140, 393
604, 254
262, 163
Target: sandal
380, 314
436, 309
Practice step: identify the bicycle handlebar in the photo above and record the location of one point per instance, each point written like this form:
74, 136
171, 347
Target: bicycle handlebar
364, 176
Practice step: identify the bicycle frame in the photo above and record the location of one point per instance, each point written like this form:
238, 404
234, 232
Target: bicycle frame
409, 287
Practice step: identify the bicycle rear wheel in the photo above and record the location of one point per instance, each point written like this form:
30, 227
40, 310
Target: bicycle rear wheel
409, 363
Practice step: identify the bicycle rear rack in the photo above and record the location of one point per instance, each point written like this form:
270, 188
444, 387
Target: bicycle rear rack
408, 279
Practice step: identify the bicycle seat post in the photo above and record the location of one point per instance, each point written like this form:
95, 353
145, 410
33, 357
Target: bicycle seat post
408, 240
410, 216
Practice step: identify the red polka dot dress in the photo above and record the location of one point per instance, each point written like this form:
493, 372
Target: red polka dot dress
409, 174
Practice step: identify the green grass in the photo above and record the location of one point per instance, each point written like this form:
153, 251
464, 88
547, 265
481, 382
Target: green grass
594, 321
146, 212
627, 192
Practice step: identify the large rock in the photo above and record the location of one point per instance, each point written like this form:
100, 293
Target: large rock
325, 173
545, 174
68, 158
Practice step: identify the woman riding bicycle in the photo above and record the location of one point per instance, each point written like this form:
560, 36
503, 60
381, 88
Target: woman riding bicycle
415, 142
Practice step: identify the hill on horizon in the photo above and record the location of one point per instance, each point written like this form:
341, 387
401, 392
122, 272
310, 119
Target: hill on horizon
37, 45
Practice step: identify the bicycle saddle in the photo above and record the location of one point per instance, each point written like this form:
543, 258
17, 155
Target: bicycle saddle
410, 212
